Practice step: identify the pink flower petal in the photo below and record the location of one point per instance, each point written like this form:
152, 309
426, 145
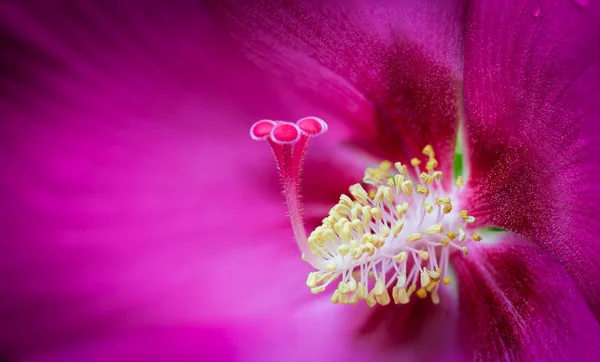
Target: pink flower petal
132, 192
532, 79
518, 303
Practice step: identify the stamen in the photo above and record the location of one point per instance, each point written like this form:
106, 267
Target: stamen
395, 231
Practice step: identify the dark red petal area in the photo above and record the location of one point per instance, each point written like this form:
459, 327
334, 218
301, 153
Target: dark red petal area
532, 82
519, 304
386, 74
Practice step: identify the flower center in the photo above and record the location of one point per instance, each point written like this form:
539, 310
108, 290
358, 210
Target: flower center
396, 231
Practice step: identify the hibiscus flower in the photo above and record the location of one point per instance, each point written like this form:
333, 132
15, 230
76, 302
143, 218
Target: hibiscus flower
140, 223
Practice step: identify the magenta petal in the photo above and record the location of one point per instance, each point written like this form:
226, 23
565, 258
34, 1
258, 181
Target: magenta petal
152, 344
131, 191
388, 72
518, 303
532, 80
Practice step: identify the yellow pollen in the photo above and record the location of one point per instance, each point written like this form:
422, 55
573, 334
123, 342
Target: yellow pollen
459, 181
428, 151
428, 207
431, 165
434, 229
407, 188
427, 178
423, 190
414, 237
384, 242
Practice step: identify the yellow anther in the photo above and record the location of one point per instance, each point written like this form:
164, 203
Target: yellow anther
361, 291
376, 213
435, 297
331, 266
335, 297
423, 190
464, 250
356, 253
442, 200
431, 165
384, 231
447, 208
447, 280
344, 249
352, 285
451, 235
329, 235
425, 278
355, 210
411, 290
366, 238
383, 299
353, 299
407, 188
385, 165
476, 237
312, 280
423, 255
428, 151
372, 193
401, 168
470, 219
317, 290
368, 248
428, 207
459, 181
370, 300
347, 201
343, 287
378, 195
358, 226
438, 175
390, 182
359, 193
398, 180
401, 257
398, 225
414, 237
434, 229
427, 178
379, 288
461, 235
431, 286
366, 213
415, 162
463, 214
401, 209
422, 293
388, 194
346, 232
378, 241
434, 274
303, 257
400, 295
445, 242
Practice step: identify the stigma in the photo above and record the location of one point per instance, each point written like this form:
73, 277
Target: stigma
386, 241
